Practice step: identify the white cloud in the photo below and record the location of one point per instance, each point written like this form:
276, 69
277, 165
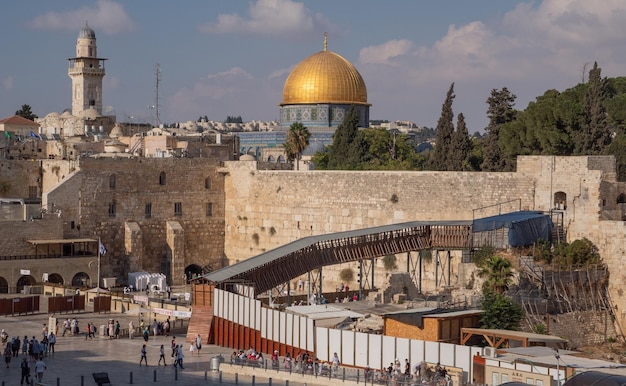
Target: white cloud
283, 18
106, 16
281, 73
386, 51
232, 73
8, 83
532, 48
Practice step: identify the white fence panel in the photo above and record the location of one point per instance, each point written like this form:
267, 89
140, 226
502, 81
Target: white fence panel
463, 359
334, 344
303, 333
417, 351
375, 351
217, 303
322, 342
389, 350
257, 312
289, 329
247, 311
283, 327
403, 350
446, 354
229, 304
310, 335
432, 352
264, 324
240, 309
346, 356
275, 317
361, 349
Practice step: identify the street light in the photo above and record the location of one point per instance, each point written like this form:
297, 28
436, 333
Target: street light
558, 367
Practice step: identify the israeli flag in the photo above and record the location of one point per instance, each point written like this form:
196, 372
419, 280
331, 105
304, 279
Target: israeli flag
103, 250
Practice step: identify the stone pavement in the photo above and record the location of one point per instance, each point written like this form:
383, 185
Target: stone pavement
76, 357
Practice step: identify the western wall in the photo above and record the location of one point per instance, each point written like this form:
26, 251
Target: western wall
266, 209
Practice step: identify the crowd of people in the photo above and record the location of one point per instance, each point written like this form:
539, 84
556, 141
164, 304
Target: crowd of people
398, 372
34, 351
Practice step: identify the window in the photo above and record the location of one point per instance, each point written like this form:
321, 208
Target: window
178, 209
162, 178
207, 183
112, 209
149, 210
32, 192
560, 201
209, 209
72, 225
112, 182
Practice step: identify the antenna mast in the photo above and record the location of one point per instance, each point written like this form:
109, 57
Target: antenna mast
157, 75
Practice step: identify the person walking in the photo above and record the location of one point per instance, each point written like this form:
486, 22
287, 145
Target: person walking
162, 356
180, 356
174, 347
25, 371
8, 354
143, 356
198, 343
131, 329
40, 366
52, 340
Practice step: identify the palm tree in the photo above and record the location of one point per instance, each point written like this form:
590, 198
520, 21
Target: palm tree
297, 140
499, 273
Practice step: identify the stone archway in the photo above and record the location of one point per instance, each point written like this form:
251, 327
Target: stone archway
192, 270
4, 286
23, 281
81, 279
55, 278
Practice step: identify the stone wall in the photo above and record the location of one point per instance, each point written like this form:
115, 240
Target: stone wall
266, 209
17, 177
582, 328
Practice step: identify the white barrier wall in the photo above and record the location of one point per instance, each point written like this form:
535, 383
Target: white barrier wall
354, 348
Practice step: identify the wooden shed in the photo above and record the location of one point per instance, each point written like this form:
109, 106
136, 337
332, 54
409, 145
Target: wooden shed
433, 325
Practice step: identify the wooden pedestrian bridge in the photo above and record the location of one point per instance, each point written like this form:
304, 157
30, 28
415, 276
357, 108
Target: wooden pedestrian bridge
277, 266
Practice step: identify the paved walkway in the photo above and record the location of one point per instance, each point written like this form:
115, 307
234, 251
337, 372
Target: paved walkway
76, 357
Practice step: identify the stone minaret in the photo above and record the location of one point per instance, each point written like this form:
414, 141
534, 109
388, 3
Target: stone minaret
86, 71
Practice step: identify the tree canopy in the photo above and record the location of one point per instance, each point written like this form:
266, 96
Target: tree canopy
297, 140
26, 112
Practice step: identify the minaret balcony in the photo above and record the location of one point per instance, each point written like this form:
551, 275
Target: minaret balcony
85, 71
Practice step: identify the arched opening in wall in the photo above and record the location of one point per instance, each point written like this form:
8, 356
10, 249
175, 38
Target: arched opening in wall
270, 159
560, 201
280, 159
55, 278
162, 178
4, 286
192, 271
80, 279
112, 182
207, 183
25, 280
621, 199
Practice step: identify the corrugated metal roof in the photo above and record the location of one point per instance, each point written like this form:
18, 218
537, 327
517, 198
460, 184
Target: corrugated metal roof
257, 261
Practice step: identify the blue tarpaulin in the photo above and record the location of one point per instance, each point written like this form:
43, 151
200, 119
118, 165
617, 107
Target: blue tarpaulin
525, 227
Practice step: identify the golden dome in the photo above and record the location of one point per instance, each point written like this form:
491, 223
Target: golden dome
324, 77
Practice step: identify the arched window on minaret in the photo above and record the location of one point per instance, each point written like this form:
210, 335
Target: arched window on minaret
162, 178
112, 182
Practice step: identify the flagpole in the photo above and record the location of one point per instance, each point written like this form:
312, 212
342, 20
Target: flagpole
99, 244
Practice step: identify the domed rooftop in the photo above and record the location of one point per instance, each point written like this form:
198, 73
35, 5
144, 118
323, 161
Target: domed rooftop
324, 77
87, 32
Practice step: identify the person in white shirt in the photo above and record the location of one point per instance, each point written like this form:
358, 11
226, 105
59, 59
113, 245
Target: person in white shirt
40, 366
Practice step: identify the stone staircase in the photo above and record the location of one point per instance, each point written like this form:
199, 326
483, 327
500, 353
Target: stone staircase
201, 323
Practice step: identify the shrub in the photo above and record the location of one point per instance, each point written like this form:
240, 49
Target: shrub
389, 262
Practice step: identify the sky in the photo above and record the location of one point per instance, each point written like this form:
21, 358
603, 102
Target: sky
231, 58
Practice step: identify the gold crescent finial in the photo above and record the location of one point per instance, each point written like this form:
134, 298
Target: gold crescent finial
325, 41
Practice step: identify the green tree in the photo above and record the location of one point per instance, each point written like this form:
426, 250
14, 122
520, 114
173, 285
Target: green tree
348, 148
498, 272
320, 160
389, 151
445, 128
499, 312
26, 112
500, 112
297, 140
460, 147
595, 134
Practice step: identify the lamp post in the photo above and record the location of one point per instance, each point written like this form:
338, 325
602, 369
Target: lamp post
558, 367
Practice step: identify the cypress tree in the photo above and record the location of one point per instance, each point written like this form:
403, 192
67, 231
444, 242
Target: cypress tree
348, 148
595, 134
460, 146
500, 111
445, 128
